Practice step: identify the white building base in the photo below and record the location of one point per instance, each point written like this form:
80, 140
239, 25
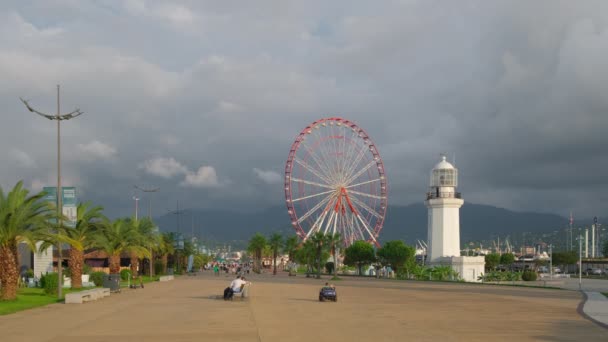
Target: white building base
43, 262
468, 268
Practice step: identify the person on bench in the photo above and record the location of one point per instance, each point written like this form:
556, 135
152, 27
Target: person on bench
235, 287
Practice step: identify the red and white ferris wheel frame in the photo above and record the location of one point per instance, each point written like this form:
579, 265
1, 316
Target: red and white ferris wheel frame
379, 222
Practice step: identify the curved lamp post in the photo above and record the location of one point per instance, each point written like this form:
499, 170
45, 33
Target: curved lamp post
57, 117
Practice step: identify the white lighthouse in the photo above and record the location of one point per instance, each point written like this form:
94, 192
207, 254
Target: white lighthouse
443, 203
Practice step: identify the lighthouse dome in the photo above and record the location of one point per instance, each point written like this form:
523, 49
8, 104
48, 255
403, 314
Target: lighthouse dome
444, 174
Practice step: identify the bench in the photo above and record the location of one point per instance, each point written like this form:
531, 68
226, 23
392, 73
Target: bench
243, 293
86, 296
165, 278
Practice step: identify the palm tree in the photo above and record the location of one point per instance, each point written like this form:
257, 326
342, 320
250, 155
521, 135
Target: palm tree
275, 242
256, 247
119, 237
22, 218
144, 231
319, 240
166, 246
335, 242
89, 220
305, 254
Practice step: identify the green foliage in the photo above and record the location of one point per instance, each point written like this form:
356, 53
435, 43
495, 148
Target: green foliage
321, 246
329, 267
50, 283
436, 273
86, 269
97, 278
125, 274
492, 261
565, 258
290, 246
358, 254
498, 276
275, 242
28, 298
29, 273
397, 255
507, 259
529, 275
256, 248
23, 218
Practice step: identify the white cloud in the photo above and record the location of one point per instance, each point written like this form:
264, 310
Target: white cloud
164, 167
179, 16
22, 158
204, 177
268, 177
96, 150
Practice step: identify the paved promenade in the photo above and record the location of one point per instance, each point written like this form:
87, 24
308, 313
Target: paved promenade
287, 309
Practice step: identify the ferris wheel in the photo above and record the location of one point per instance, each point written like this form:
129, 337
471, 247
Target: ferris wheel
335, 182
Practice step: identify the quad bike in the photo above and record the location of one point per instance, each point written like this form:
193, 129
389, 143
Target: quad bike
328, 293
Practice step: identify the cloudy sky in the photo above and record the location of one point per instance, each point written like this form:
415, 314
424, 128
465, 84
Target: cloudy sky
204, 98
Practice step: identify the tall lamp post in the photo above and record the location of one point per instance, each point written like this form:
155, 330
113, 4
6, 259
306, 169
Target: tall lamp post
57, 117
550, 261
180, 240
580, 262
149, 190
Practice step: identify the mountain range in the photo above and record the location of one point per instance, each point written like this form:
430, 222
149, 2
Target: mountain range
408, 223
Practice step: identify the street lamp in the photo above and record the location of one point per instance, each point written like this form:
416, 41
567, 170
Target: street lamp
580, 262
57, 117
550, 261
136, 199
149, 190
180, 241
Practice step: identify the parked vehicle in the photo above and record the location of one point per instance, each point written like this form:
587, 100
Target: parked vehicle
595, 271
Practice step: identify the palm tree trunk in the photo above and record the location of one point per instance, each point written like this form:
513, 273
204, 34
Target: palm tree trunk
165, 260
134, 264
114, 261
151, 263
274, 262
75, 263
319, 263
9, 274
335, 263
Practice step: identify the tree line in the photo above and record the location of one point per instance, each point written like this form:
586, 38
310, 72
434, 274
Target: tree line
319, 247
30, 219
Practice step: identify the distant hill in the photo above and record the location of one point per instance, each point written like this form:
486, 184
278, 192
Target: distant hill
409, 223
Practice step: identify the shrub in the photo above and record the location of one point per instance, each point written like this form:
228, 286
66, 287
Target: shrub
125, 274
86, 269
97, 278
529, 275
29, 273
50, 283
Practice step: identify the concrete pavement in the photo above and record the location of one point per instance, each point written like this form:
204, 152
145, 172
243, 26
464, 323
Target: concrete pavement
285, 308
596, 307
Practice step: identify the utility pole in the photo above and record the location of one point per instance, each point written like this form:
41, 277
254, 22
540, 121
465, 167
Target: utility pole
57, 117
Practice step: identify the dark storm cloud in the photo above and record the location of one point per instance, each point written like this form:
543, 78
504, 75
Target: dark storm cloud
515, 90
